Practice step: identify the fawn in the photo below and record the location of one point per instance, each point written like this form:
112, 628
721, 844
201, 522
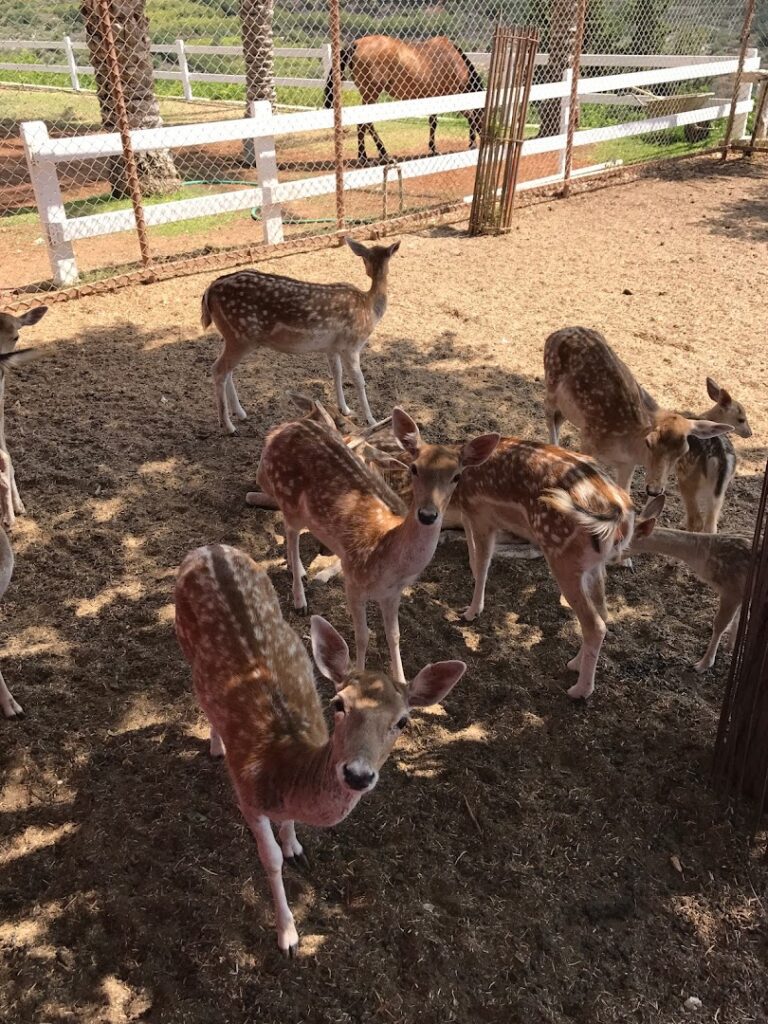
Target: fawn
704, 473
569, 509
620, 424
8, 705
383, 547
251, 309
718, 559
253, 679
9, 336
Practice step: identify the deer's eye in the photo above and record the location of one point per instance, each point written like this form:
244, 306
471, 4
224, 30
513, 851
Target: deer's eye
742, 419
402, 722
337, 706
414, 470
457, 478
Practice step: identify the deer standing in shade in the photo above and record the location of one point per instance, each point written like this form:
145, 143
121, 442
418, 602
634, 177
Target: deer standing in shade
253, 679
253, 310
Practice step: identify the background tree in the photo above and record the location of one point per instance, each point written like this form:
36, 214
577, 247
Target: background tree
560, 36
157, 171
258, 51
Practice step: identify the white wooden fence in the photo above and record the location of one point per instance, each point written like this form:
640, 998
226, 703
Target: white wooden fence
44, 153
180, 51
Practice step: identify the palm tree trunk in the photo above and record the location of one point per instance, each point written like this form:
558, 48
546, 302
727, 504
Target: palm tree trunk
258, 52
562, 32
157, 172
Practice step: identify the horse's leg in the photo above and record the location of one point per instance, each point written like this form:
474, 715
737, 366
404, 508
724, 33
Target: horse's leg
361, 129
383, 154
432, 130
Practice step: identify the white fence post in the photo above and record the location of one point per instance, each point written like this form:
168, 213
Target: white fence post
186, 83
327, 61
266, 167
565, 116
45, 182
72, 64
751, 63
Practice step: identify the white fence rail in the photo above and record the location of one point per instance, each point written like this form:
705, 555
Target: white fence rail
44, 153
180, 51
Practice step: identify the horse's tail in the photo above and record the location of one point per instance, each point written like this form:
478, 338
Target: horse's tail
475, 83
347, 56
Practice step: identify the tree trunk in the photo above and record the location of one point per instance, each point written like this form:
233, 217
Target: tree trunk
258, 51
157, 172
562, 32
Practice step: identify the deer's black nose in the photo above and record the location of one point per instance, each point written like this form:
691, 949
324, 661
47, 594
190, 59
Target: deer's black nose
654, 492
427, 516
358, 779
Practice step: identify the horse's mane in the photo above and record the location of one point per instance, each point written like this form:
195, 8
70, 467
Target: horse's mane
475, 81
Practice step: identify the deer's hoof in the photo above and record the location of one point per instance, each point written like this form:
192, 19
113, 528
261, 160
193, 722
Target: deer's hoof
13, 710
301, 609
468, 615
702, 666
578, 692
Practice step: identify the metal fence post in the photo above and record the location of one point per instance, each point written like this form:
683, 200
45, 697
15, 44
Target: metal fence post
72, 63
45, 184
266, 168
186, 84
565, 118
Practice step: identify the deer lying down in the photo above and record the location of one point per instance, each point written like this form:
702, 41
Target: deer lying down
589, 385
719, 559
252, 310
253, 680
705, 472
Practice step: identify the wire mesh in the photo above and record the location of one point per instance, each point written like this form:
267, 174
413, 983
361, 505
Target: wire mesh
206, 61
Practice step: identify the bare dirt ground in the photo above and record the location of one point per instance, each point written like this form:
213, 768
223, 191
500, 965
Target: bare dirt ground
522, 859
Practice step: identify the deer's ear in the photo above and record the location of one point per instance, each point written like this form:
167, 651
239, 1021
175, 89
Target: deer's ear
645, 527
653, 507
330, 651
393, 248
302, 402
476, 451
32, 316
652, 439
357, 248
713, 390
708, 428
434, 682
406, 431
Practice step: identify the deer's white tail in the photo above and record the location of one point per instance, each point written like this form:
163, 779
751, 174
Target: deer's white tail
603, 525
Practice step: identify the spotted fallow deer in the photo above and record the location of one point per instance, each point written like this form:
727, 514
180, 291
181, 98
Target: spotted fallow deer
704, 473
8, 705
253, 679
9, 336
562, 503
719, 559
383, 547
252, 310
589, 385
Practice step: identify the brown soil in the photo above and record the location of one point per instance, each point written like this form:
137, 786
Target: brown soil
522, 859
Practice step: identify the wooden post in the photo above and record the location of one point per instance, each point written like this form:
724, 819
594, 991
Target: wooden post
565, 118
186, 84
50, 205
72, 63
266, 168
334, 18
573, 110
746, 28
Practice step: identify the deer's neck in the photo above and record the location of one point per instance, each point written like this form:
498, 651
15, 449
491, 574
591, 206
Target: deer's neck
302, 784
409, 547
690, 548
377, 295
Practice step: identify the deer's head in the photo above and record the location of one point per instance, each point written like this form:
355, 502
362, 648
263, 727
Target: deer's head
11, 325
436, 469
667, 441
370, 710
728, 410
375, 257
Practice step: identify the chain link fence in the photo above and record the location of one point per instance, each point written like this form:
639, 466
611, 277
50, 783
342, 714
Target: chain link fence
649, 79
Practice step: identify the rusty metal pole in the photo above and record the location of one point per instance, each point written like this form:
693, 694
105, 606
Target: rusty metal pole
573, 111
334, 18
746, 28
131, 169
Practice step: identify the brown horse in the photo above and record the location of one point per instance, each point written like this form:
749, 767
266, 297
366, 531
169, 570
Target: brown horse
407, 71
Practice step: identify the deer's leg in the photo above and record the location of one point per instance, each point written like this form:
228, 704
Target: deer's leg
222, 368
233, 400
271, 857
572, 585
597, 591
351, 362
624, 473
712, 512
334, 363
432, 133
484, 541
733, 629
554, 421
9, 706
389, 613
293, 559
328, 573
356, 603
290, 844
725, 613
217, 748
689, 493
